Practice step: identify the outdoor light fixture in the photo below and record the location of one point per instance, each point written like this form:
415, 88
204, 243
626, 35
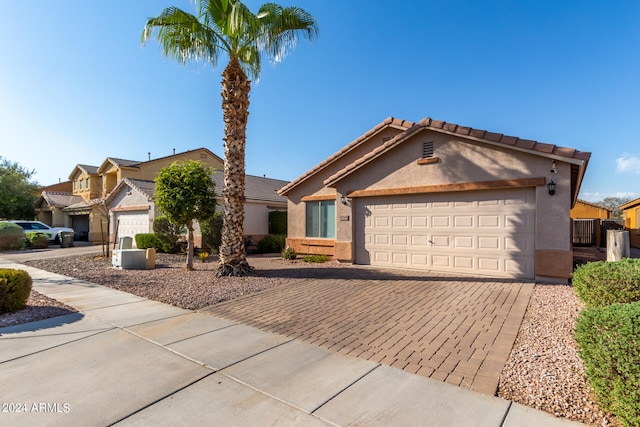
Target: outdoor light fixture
345, 200
552, 187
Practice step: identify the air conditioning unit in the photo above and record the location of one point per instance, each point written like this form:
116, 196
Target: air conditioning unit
129, 259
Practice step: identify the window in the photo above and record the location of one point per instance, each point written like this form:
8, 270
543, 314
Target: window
321, 219
80, 183
75, 186
86, 182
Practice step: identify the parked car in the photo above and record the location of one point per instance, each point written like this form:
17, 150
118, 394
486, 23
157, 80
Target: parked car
52, 232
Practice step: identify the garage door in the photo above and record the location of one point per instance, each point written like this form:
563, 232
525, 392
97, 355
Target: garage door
132, 223
488, 233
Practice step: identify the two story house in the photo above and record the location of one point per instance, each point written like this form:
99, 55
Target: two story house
84, 209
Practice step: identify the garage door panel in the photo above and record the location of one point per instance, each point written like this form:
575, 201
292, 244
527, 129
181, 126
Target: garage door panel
489, 232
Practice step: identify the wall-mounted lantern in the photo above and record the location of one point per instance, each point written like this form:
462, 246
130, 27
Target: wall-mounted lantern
552, 187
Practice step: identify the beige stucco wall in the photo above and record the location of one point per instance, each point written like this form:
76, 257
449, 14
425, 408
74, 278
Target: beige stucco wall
314, 185
460, 161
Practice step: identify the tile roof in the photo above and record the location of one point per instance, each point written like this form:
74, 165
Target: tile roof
388, 122
84, 204
59, 198
256, 188
630, 204
88, 169
595, 205
570, 155
147, 188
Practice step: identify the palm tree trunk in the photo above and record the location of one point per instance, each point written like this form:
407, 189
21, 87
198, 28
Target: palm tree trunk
235, 111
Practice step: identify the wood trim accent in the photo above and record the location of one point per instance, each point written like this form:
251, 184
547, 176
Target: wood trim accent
319, 197
131, 208
445, 188
428, 160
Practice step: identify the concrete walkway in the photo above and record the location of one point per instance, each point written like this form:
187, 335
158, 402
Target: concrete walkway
125, 360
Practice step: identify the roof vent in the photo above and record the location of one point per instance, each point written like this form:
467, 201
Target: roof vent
386, 138
427, 149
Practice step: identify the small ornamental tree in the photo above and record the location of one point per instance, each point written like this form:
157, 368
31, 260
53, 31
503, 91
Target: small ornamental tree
18, 193
184, 193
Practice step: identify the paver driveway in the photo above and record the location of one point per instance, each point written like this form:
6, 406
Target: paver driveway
455, 329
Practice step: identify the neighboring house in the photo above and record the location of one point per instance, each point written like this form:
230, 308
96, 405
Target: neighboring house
586, 225
631, 216
83, 208
133, 209
437, 196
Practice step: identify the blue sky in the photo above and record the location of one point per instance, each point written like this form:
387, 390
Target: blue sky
76, 85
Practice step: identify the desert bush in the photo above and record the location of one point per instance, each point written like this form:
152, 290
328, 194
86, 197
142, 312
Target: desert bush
147, 240
212, 232
609, 340
204, 256
168, 235
603, 283
278, 222
315, 258
37, 239
15, 287
11, 236
289, 253
271, 243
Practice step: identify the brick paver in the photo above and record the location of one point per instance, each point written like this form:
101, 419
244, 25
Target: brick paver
454, 329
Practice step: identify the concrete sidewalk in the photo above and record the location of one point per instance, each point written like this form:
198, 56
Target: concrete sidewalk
125, 360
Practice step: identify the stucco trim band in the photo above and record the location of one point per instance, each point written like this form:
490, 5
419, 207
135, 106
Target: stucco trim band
306, 246
319, 197
131, 208
445, 188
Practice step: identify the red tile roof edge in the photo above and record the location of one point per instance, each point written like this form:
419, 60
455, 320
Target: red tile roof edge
440, 126
389, 121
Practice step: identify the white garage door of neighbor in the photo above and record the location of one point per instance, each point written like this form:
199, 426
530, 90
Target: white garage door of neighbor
489, 233
132, 223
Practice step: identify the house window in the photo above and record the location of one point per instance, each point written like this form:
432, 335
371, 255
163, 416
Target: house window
321, 219
80, 183
427, 150
86, 182
75, 186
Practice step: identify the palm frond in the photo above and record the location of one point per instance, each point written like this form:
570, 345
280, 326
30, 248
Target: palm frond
182, 36
282, 27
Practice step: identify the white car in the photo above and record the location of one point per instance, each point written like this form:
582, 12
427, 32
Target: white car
53, 232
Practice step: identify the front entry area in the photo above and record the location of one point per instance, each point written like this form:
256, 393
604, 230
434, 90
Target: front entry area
487, 233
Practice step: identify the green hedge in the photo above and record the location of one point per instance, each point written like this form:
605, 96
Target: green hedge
278, 222
15, 287
272, 243
168, 235
212, 233
602, 283
37, 239
609, 340
147, 240
11, 236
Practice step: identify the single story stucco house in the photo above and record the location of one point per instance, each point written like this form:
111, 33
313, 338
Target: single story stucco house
441, 197
132, 208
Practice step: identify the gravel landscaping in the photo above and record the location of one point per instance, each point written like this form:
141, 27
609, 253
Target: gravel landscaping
542, 372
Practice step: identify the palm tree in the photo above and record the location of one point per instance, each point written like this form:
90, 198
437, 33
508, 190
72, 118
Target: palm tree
229, 27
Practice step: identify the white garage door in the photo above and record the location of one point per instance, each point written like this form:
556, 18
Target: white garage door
132, 223
488, 233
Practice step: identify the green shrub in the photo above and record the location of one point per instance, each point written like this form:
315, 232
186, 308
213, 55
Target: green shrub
315, 258
168, 235
272, 244
37, 239
603, 283
278, 222
15, 287
147, 240
11, 236
212, 233
609, 340
289, 253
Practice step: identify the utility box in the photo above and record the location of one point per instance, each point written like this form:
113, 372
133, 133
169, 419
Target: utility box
125, 243
129, 259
